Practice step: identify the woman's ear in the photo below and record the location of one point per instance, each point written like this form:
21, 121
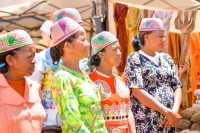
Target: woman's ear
146, 37
67, 46
101, 55
9, 60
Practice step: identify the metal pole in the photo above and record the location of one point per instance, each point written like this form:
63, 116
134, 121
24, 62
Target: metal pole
85, 10
54, 6
32, 7
15, 24
107, 22
148, 2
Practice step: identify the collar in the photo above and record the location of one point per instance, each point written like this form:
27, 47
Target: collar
82, 76
9, 96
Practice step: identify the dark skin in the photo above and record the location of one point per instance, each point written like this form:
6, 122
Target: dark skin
75, 51
182, 69
110, 58
21, 64
155, 42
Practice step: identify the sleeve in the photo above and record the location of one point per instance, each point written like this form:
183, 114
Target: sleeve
133, 72
39, 90
175, 82
67, 105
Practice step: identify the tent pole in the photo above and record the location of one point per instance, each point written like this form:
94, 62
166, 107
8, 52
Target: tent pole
107, 22
148, 2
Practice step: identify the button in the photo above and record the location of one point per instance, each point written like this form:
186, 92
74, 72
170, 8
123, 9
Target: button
29, 119
24, 105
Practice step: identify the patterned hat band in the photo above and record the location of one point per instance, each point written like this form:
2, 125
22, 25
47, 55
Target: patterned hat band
13, 40
104, 46
67, 12
63, 29
102, 40
151, 24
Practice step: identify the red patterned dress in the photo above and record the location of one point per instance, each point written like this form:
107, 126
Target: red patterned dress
115, 101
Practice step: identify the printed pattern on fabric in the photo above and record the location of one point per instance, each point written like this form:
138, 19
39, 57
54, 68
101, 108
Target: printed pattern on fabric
43, 74
77, 101
47, 100
115, 101
159, 81
105, 89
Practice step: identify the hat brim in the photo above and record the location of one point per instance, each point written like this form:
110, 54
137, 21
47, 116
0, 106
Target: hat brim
150, 29
104, 46
16, 47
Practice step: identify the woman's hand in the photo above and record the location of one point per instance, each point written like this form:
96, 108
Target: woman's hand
182, 69
123, 76
165, 123
172, 118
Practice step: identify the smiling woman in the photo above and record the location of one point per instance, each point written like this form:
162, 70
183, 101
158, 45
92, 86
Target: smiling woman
20, 101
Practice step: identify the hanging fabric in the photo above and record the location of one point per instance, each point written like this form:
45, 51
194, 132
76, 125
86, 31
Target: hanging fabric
120, 13
165, 16
132, 25
174, 46
195, 61
185, 22
145, 13
98, 19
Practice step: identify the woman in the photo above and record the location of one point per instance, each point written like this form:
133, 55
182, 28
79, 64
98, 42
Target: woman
73, 14
45, 67
153, 81
43, 74
20, 107
77, 100
115, 99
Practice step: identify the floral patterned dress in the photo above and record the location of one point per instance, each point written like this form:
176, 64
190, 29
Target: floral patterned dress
159, 81
43, 74
77, 101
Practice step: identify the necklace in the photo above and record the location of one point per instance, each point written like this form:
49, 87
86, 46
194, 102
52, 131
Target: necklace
102, 74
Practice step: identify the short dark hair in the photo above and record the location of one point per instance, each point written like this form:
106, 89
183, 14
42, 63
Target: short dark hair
3, 55
135, 42
95, 60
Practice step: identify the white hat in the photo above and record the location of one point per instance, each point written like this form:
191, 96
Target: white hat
46, 26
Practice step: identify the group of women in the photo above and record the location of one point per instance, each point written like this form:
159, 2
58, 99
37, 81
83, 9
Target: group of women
145, 99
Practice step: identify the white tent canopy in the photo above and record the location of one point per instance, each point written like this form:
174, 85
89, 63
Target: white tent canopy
5, 3
30, 14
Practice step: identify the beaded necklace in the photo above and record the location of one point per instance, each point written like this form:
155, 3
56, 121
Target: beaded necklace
100, 73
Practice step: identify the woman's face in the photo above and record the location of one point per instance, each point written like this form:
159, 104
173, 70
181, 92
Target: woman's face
155, 40
23, 62
80, 47
112, 55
